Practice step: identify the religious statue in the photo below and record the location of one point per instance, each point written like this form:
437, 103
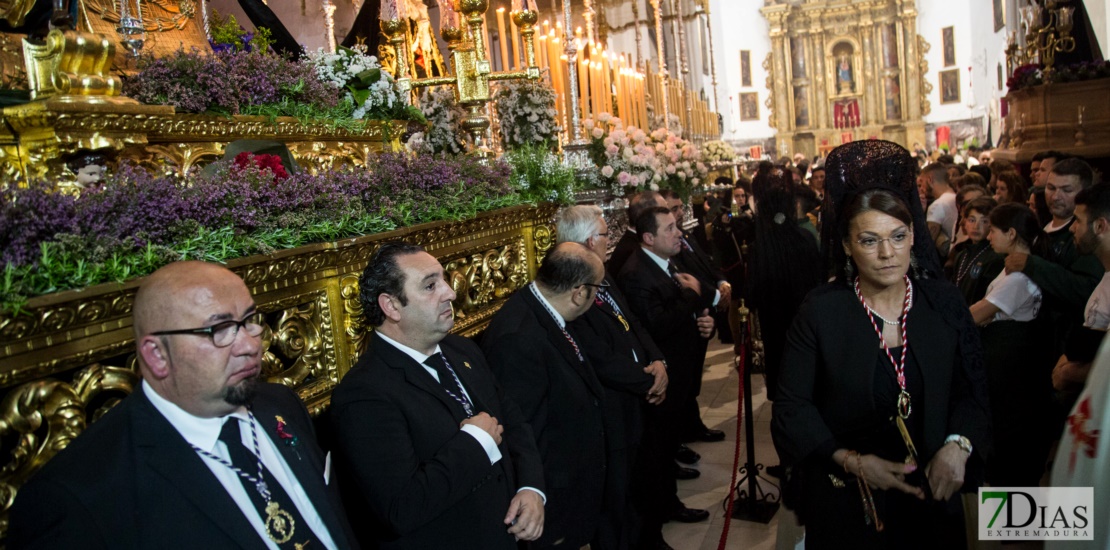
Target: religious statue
845, 84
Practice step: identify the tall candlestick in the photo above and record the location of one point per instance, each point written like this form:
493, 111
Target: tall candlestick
572, 76
503, 39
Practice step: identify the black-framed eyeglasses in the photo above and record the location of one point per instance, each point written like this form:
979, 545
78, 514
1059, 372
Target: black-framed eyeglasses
223, 333
605, 234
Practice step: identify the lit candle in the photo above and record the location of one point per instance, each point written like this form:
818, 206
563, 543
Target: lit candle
503, 39
516, 45
485, 33
541, 51
583, 81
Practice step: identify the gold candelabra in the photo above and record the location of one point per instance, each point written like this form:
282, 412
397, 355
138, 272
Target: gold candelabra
472, 71
1047, 32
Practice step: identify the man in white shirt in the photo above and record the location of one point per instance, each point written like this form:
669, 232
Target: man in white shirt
202, 455
942, 214
432, 452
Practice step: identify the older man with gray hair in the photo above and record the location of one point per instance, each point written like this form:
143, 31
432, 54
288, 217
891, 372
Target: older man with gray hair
629, 366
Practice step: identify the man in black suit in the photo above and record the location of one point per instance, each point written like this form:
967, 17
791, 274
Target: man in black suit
430, 452
674, 308
539, 362
202, 454
630, 368
629, 243
692, 259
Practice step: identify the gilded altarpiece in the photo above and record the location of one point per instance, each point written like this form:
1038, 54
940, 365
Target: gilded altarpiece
844, 71
69, 357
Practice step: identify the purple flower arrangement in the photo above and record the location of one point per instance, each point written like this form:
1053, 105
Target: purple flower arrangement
226, 81
160, 219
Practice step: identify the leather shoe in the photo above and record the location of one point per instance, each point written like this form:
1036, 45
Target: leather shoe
686, 455
686, 473
689, 515
706, 435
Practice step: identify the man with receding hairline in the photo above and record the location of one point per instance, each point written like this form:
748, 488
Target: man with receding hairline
196, 456
538, 359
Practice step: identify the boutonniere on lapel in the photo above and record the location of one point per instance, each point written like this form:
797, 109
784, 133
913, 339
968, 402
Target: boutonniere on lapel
289, 439
466, 364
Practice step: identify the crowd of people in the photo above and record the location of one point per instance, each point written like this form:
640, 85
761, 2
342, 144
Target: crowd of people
564, 424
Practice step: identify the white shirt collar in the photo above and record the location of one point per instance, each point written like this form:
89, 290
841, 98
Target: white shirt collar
200, 432
550, 309
416, 355
1052, 228
659, 261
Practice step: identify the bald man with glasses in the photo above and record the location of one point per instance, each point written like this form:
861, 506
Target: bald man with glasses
202, 454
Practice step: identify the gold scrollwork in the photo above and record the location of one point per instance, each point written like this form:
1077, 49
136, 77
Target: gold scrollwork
44, 416
482, 277
300, 337
354, 327
923, 48
544, 237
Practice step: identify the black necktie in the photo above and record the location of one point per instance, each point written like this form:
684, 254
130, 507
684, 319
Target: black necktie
245, 460
447, 380
674, 273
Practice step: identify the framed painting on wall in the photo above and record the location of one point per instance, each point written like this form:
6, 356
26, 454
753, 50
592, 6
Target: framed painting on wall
749, 106
999, 15
745, 68
948, 43
950, 86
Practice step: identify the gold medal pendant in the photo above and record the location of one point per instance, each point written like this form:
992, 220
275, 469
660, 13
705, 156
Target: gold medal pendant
279, 523
623, 322
905, 407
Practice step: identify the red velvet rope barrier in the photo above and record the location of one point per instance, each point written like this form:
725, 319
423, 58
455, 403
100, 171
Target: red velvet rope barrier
741, 364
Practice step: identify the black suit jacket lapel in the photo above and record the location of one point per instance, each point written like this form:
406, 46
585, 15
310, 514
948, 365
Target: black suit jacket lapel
305, 465
566, 350
168, 454
415, 374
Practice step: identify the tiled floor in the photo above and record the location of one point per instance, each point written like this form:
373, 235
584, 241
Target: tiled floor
719, 399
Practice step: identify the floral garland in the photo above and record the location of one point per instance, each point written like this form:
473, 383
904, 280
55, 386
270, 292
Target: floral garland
1033, 74
527, 113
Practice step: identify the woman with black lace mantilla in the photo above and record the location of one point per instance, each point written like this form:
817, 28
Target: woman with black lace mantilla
881, 412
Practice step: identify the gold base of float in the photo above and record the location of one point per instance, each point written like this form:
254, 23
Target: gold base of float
70, 356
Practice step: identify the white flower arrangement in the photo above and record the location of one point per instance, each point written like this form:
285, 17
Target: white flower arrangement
444, 134
371, 90
718, 151
526, 111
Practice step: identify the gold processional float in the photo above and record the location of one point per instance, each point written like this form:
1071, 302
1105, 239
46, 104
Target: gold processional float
68, 357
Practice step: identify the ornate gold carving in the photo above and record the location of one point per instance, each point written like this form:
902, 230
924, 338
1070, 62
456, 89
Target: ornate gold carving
544, 237
482, 277
769, 66
42, 417
74, 64
354, 326
923, 48
301, 335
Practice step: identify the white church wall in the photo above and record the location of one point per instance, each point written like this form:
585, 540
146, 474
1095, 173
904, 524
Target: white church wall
738, 25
